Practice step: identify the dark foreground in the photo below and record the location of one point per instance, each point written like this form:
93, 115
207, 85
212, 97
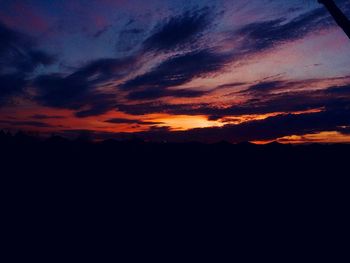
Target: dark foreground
28, 156
169, 202
112, 163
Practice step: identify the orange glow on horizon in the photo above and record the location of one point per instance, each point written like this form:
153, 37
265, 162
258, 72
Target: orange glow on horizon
322, 137
69, 121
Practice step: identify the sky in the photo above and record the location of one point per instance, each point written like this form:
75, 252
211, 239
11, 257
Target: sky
175, 70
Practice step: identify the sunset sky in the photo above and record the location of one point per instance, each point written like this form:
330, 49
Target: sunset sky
258, 70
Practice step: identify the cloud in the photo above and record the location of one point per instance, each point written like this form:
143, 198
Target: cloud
258, 102
147, 108
279, 126
339, 90
18, 58
230, 85
160, 93
260, 36
104, 69
77, 91
179, 31
18, 53
10, 85
267, 129
332, 119
265, 87
98, 104
283, 102
45, 117
101, 31
254, 38
72, 92
61, 92
178, 70
36, 124
176, 33
131, 121
330, 97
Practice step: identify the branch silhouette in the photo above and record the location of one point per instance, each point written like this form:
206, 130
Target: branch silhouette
338, 15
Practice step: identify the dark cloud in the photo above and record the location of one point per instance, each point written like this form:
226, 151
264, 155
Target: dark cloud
335, 119
36, 124
260, 36
160, 93
343, 91
178, 70
268, 129
61, 92
266, 87
10, 85
230, 85
73, 92
98, 104
18, 58
292, 101
104, 69
284, 102
153, 107
284, 125
334, 116
101, 31
18, 52
179, 31
279, 126
174, 33
78, 90
256, 37
130, 121
45, 117
301, 100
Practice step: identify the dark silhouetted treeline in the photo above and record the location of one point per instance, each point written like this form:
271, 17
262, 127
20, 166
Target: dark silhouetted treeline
161, 200
22, 153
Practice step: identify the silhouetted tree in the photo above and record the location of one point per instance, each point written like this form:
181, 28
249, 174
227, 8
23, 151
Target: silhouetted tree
338, 15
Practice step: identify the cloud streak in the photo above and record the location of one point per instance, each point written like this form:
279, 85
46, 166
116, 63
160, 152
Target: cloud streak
179, 32
19, 57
